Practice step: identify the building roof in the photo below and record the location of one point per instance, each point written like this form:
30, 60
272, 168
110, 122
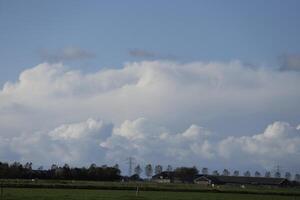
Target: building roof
164, 175
244, 180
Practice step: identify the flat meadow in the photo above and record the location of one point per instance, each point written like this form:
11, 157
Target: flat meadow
14, 189
84, 194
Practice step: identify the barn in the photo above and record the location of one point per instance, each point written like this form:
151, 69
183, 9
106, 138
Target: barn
163, 177
240, 180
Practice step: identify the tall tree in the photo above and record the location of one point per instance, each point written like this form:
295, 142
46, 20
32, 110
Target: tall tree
158, 169
66, 171
204, 170
28, 166
92, 171
138, 170
116, 166
247, 173
257, 174
93, 166
186, 173
236, 173
277, 174
15, 170
288, 175
226, 172
54, 167
297, 177
148, 170
215, 173
268, 174
169, 168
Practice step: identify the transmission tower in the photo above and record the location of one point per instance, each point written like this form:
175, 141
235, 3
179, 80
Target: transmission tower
277, 170
130, 162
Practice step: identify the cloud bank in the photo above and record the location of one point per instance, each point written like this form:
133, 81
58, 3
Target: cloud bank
93, 141
158, 111
66, 54
145, 54
290, 62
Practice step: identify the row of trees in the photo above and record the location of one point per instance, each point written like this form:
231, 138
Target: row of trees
94, 172
180, 172
111, 173
149, 171
247, 173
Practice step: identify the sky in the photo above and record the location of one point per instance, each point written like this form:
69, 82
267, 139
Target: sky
208, 83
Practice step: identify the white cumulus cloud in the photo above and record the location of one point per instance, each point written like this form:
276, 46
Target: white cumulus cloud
279, 144
158, 111
148, 142
76, 143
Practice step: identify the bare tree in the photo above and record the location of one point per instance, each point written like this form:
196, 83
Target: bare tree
297, 177
54, 167
288, 175
169, 168
236, 173
215, 173
148, 170
116, 166
93, 166
257, 174
28, 166
204, 170
226, 172
268, 174
247, 173
158, 169
138, 170
277, 174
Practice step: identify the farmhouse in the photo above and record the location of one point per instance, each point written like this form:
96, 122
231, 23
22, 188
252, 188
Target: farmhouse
240, 180
164, 177
171, 177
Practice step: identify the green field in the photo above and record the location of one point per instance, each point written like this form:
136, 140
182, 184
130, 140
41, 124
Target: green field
145, 186
66, 189
82, 194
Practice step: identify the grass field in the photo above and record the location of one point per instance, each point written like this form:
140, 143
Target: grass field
144, 186
64, 190
82, 194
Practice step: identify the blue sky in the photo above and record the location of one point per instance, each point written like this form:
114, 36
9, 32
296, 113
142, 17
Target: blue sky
173, 82
251, 31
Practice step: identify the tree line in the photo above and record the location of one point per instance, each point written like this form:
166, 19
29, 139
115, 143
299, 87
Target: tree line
247, 173
18, 171
181, 172
150, 170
